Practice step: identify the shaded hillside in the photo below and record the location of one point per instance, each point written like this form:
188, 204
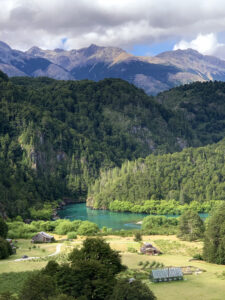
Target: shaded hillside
57, 136
193, 174
202, 106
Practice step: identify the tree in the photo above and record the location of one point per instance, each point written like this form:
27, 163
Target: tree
98, 249
191, 226
137, 237
87, 228
38, 287
5, 249
135, 290
91, 272
89, 279
3, 228
214, 242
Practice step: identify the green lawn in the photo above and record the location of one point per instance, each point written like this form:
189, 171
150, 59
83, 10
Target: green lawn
205, 286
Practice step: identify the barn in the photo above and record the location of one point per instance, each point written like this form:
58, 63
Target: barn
42, 237
166, 274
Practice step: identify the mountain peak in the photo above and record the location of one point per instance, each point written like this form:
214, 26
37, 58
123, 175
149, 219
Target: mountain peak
180, 52
34, 50
4, 46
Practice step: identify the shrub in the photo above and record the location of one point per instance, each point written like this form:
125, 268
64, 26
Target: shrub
72, 235
87, 228
137, 237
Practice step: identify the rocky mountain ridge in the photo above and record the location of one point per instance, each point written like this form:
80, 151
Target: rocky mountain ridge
153, 74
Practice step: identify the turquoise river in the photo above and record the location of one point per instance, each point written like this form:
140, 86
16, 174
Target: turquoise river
114, 220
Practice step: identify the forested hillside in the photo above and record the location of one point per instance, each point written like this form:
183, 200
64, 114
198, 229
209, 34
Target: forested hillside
202, 106
193, 174
56, 136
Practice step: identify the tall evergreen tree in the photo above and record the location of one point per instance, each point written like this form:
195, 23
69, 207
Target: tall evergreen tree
214, 242
191, 226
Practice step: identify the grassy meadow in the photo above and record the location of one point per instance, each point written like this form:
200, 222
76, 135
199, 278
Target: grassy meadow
207, 285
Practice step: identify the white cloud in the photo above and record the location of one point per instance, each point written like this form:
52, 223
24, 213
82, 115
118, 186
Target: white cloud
123, 23
206, 44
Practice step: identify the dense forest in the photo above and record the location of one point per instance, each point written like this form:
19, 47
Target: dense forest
57, 137
192, 174
202, 105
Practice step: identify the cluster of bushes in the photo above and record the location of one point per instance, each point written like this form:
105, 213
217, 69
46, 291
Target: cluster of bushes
159, 225
18, 229
162, 207
151, 265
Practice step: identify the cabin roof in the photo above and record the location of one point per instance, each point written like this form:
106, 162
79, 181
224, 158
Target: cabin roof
167, 273
44, 234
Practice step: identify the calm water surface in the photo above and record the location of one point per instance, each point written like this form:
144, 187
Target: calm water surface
114, 220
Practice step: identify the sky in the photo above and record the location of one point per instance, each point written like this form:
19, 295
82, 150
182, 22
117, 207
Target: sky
142, 27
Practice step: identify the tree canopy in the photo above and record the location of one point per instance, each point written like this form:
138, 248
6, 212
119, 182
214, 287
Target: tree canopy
191, 226
214, 243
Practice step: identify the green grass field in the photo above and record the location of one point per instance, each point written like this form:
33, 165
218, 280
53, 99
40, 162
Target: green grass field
208, 285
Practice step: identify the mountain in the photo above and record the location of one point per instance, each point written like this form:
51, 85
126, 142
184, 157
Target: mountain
18, 63
153, 74
56, 137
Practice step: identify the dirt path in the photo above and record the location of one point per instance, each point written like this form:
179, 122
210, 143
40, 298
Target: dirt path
58, 249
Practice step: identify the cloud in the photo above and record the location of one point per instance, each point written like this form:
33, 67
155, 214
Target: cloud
206, 44
122, 23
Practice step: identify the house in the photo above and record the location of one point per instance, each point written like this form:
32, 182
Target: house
149, 249
166, 274
42, 237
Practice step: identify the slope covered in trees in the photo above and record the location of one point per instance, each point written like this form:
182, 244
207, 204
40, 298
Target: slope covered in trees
193, 174
56, 136
202, 106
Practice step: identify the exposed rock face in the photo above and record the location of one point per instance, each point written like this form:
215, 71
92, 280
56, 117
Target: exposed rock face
153, 74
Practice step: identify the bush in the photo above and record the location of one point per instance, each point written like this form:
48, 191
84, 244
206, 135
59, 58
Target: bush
5, 249
135, 290
137, 237
198, 256
131, 250
65, 226
87, 228
38, 286
72, 235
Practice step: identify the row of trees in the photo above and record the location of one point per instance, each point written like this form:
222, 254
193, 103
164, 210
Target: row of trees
163, 207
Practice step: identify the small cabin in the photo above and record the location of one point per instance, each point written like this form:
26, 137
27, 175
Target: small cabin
149, 249
42, 237
166, 274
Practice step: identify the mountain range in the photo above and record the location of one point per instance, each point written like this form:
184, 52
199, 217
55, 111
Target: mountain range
153, 74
